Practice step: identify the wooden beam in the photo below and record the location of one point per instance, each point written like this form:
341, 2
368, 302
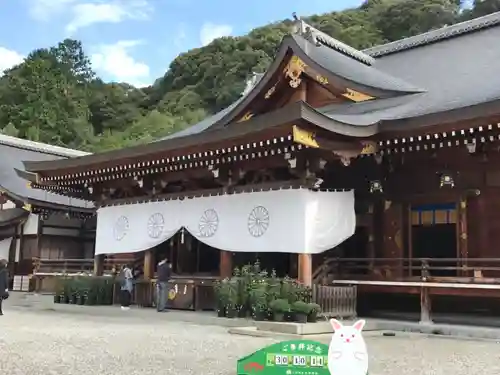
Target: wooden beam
148, 264
226, 264
98, 265
305, 269
311, 139
462, 234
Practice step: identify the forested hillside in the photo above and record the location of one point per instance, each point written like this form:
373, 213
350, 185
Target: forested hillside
55, 97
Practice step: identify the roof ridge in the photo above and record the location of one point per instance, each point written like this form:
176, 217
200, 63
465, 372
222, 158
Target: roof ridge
434, 36
26, 144
320, 38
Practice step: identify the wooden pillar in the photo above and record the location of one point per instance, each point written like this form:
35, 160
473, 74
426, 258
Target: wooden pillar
148, 265
98, 265
425, 306
393, 241
305, 269
226, 264
370, 251
483, 241
462, 250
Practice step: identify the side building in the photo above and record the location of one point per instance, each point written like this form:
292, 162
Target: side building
40, 225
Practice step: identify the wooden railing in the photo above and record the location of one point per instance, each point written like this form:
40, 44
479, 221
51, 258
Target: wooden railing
335, 301
73, 266
470, 269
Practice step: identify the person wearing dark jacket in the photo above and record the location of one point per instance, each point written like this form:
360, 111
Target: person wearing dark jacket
4, 283
164, 273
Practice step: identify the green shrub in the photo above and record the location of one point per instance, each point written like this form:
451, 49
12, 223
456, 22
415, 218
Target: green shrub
279, 306
301, 307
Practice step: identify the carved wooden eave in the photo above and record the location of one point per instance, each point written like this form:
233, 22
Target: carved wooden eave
428, 141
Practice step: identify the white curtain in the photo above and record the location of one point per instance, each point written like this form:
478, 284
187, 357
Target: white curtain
5, 248
287, 221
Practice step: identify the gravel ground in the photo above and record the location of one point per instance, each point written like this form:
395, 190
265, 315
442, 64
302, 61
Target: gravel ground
34, 343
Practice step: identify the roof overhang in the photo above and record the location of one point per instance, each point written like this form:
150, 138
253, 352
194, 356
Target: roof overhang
283, 116
452, 119
13, 216
280, 120
43, 204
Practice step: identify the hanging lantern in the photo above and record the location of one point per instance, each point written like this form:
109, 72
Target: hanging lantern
376, 186
446, 180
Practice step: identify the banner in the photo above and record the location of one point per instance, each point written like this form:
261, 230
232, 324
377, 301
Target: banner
287, 221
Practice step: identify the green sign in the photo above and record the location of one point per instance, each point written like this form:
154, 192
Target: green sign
297, 357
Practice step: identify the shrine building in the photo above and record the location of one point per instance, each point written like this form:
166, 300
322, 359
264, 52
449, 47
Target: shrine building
374, 168
35, 223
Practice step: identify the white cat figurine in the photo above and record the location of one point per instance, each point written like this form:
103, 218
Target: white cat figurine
347, 353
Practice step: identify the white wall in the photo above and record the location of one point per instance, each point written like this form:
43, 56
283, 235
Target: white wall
31, 225
7, 205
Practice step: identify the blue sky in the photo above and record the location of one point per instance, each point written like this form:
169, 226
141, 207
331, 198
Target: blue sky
135, 40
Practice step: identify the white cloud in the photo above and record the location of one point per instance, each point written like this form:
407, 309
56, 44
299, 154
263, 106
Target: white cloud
83, 13
86, 14
43, 10
210, 31
115, 61
8, 59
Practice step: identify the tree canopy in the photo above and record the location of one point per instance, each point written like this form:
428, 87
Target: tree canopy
55, 97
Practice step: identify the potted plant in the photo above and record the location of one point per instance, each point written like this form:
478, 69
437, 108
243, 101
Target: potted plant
108, 291
64, 290
231, 299
273, 287
279, 307
314, 310
300, 310
220, 289
258, 300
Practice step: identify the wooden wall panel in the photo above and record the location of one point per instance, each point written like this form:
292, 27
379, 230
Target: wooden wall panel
57, 247
483, 229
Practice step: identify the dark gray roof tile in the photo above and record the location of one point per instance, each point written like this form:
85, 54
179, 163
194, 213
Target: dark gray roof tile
434, 36
352, 70
456, 73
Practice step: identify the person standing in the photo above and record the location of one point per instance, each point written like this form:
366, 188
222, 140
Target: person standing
164, 274
127, 287
4, 283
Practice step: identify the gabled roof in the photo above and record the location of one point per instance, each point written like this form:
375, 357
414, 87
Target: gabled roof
337, 61
357, 75
426, 75
13, 151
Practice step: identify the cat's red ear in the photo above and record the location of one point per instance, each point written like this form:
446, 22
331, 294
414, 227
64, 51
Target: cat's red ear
359, 325
336, 324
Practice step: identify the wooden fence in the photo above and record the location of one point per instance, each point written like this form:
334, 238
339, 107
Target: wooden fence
336, 301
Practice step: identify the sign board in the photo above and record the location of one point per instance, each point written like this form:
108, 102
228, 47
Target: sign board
296, 357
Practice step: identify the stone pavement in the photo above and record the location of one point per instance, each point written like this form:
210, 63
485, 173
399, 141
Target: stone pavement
142, 342
44, 303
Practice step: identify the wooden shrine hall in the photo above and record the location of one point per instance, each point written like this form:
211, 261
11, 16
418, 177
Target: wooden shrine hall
376, 168
38, 224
